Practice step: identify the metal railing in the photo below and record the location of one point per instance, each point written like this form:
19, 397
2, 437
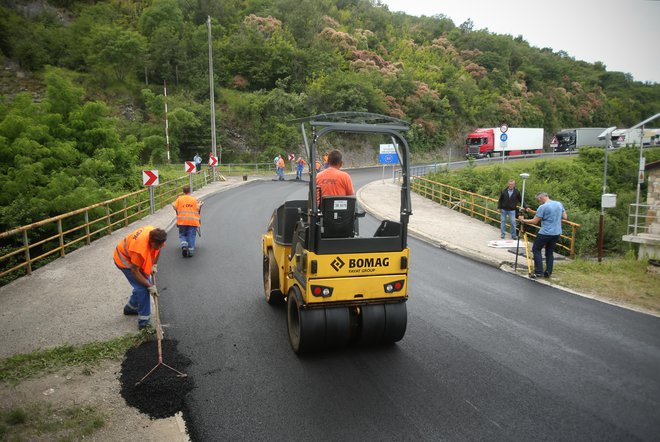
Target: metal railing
483, 208
641, 218
36, 244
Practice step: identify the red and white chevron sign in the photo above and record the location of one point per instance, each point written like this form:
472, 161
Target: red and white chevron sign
213, 160
150, 177
189, 166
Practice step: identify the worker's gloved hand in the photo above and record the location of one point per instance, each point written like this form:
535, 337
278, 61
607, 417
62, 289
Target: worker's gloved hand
154, 269
153, 290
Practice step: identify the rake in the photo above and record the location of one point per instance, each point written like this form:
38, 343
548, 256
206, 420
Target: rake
159, 337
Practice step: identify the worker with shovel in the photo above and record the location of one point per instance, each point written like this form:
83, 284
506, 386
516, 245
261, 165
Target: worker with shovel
188, 220
136, 256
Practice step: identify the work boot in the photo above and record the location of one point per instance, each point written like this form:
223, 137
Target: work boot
130, 311
190, 252
184, 249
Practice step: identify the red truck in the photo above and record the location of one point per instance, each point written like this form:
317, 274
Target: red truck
515, 141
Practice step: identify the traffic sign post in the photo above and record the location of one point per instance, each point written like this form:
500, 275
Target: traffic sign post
388, 155
503, 138
150, 179
189, 166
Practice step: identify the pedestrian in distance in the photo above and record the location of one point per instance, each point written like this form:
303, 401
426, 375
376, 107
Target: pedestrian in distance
333, 181
280, 168
188, 220
300, 164
136, 256
550, 214
198, 162
508, 204
325, 160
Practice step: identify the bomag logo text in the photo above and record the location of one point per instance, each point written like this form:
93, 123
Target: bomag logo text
359, 263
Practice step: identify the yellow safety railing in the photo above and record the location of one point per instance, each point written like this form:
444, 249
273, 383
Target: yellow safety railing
483, 208
46, 240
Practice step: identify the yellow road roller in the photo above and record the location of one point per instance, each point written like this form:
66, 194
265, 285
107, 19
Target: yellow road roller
339, 286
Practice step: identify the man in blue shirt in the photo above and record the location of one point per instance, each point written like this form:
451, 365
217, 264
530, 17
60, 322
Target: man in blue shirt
549, 214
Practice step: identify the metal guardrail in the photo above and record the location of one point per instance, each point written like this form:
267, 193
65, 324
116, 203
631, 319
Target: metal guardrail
641, 217
51, 238
482, 207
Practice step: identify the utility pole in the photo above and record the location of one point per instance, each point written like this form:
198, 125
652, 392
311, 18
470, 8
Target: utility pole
213, 140
167, 132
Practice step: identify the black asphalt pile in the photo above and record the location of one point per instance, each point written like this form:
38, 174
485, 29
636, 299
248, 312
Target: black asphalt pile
163, 392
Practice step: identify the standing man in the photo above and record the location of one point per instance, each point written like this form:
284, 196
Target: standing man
198, 162
188, 220
549, 214
325, 160
509, 201
280, 168
136, 256
332, 181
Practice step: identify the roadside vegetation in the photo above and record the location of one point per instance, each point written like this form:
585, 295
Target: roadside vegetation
44, 421
621, 280
82, 102
24, 366
577, 182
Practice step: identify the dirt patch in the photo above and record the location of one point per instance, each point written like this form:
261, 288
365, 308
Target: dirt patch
162, 393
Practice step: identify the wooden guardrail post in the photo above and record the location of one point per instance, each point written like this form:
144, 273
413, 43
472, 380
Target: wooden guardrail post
107, 214
61, 237
125, 212
26, 244
88, 240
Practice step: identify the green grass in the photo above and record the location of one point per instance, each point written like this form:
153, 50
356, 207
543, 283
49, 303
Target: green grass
43, 421
23, 366
621, 280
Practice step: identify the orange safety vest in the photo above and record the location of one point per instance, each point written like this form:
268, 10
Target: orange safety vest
187, 211
134, 249
280, 163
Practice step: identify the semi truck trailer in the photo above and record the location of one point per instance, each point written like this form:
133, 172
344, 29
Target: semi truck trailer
488, 142
568, 140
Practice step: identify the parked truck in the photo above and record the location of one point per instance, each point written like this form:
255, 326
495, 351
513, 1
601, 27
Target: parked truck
630, 137
488, 142
568, 140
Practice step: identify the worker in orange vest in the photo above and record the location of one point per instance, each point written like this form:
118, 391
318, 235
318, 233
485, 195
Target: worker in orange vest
136, 256
188, 220
300, 166
280, 168
332, 181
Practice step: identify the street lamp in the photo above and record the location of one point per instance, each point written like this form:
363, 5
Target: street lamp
524, 177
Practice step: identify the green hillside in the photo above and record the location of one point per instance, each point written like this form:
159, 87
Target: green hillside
81, 90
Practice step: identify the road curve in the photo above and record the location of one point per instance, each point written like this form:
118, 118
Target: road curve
487, 355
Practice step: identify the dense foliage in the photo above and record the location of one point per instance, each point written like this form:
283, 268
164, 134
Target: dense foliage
93, 75
577, 183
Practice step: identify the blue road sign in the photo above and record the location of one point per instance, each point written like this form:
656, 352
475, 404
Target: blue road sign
388, 158
504, 137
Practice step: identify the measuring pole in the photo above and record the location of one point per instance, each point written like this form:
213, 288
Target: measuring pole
167, 132
213, 140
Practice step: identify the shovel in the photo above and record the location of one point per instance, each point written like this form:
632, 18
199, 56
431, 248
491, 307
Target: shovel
159, 337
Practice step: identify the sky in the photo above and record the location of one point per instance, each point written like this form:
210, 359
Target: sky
622, 34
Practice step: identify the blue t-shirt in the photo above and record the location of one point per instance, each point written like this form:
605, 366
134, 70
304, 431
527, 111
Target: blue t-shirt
550, 214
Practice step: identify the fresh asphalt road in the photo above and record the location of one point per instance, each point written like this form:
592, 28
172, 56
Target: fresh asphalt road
487, 355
